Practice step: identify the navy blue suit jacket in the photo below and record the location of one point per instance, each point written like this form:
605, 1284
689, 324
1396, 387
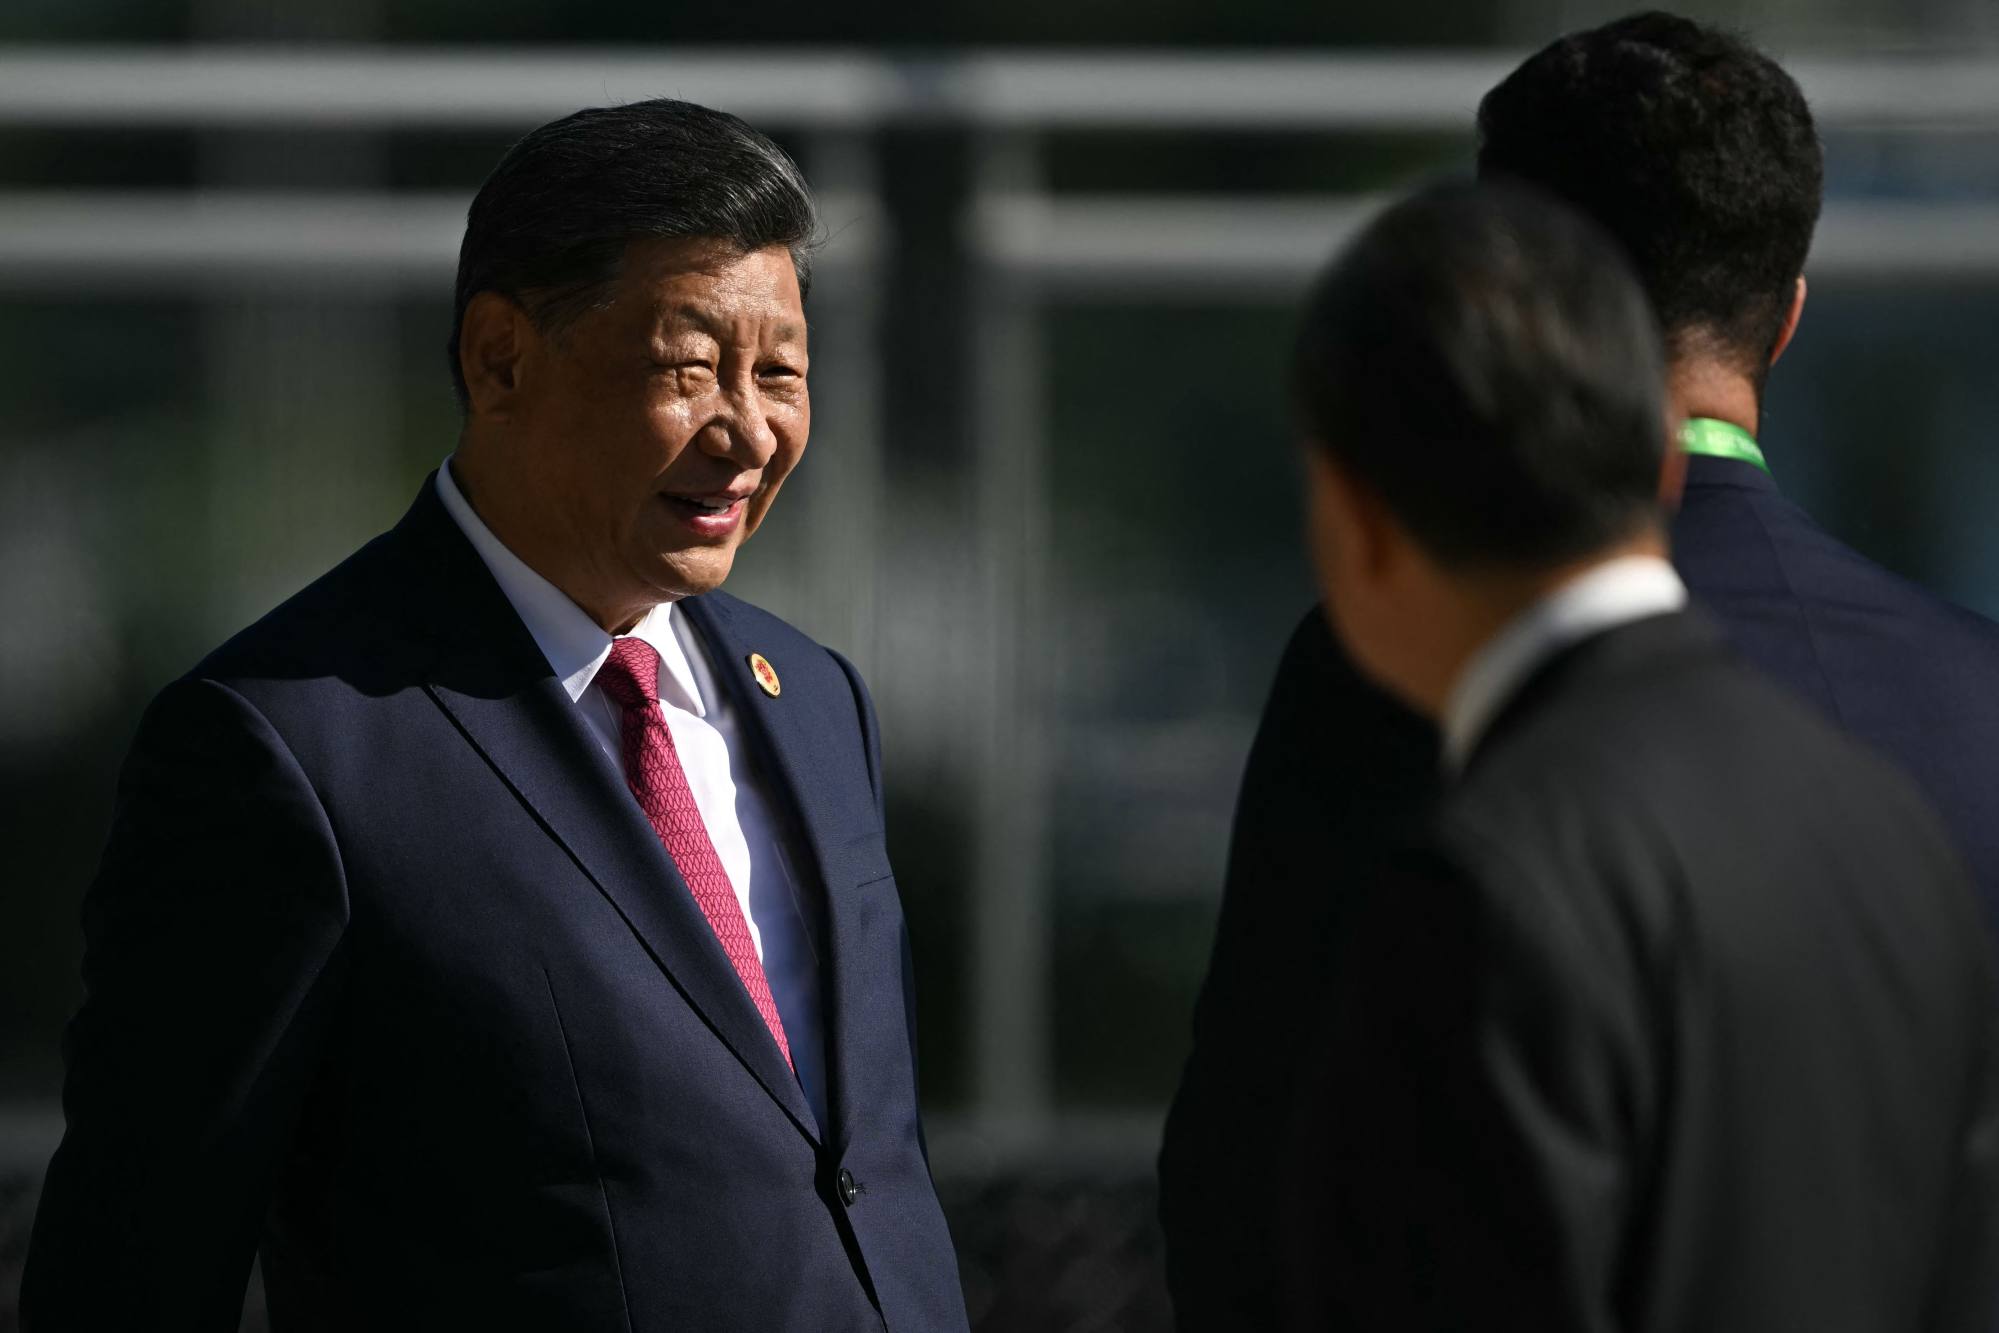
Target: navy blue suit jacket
388, 975
1907, 672
1337, 764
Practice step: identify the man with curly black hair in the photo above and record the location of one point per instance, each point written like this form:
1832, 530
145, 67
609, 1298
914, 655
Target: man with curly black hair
1698, 153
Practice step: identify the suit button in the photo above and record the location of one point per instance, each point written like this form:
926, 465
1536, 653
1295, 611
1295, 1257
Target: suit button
850, 1189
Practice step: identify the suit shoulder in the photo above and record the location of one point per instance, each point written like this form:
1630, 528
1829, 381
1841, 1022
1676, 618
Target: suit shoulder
777, 639
1971, 629
1951, 650
1706, 805
749, 619
345, 615
1666, 760
801, 662
1975, 629
1820, 567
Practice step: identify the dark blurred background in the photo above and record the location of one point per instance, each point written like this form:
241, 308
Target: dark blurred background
1049, 502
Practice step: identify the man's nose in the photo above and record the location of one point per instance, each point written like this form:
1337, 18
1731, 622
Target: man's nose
741, 430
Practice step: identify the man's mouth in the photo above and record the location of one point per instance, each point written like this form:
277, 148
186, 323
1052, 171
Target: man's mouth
709, 514
700, 505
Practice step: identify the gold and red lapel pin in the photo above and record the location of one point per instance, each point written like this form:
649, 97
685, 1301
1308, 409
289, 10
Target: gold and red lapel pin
765, 673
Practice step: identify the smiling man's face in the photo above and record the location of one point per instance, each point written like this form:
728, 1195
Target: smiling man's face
664, 422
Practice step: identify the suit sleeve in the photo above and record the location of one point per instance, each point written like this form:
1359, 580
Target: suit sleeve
211, 943
1462, 1154
1335, 765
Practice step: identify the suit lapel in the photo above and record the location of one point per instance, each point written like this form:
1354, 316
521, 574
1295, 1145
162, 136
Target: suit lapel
785, 732
492, 681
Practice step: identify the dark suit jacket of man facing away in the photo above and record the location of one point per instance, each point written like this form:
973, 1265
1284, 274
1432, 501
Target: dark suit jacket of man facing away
1334, 759
387, 972
1681, 1019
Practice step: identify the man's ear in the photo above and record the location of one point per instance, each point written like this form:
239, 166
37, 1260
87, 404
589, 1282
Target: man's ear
1790, 321
1374, 527
493, 344
1352, 527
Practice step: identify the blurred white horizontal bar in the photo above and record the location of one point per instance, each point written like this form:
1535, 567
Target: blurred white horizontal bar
95, 241
1908, 239
1939, 91
385, 87
388, 87
364, 244
1385, 91
1169, 245
1391, 90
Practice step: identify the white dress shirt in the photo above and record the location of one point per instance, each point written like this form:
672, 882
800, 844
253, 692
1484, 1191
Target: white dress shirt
1612, 594
708, 737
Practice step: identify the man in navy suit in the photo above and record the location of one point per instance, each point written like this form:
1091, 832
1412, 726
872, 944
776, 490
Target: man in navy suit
500, 933
1698, 154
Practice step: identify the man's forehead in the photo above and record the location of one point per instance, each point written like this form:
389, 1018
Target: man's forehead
677, 315
706, 284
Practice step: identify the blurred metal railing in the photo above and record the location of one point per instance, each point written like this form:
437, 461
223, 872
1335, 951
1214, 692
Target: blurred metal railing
384, 88
83, 241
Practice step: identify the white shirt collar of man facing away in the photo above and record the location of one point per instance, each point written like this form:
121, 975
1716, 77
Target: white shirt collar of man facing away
1614, 593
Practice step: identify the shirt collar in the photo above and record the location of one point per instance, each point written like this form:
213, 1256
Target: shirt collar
574, 644
1611, 594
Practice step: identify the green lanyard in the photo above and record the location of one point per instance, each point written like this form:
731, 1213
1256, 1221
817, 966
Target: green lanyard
1720, 439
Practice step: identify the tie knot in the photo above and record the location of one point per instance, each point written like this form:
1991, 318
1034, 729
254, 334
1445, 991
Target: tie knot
630, 675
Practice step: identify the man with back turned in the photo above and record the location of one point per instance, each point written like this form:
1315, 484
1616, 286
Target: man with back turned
1676, 1013
1697, 153
500, 933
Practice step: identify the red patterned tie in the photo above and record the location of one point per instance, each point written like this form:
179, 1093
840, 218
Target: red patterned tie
653, 772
